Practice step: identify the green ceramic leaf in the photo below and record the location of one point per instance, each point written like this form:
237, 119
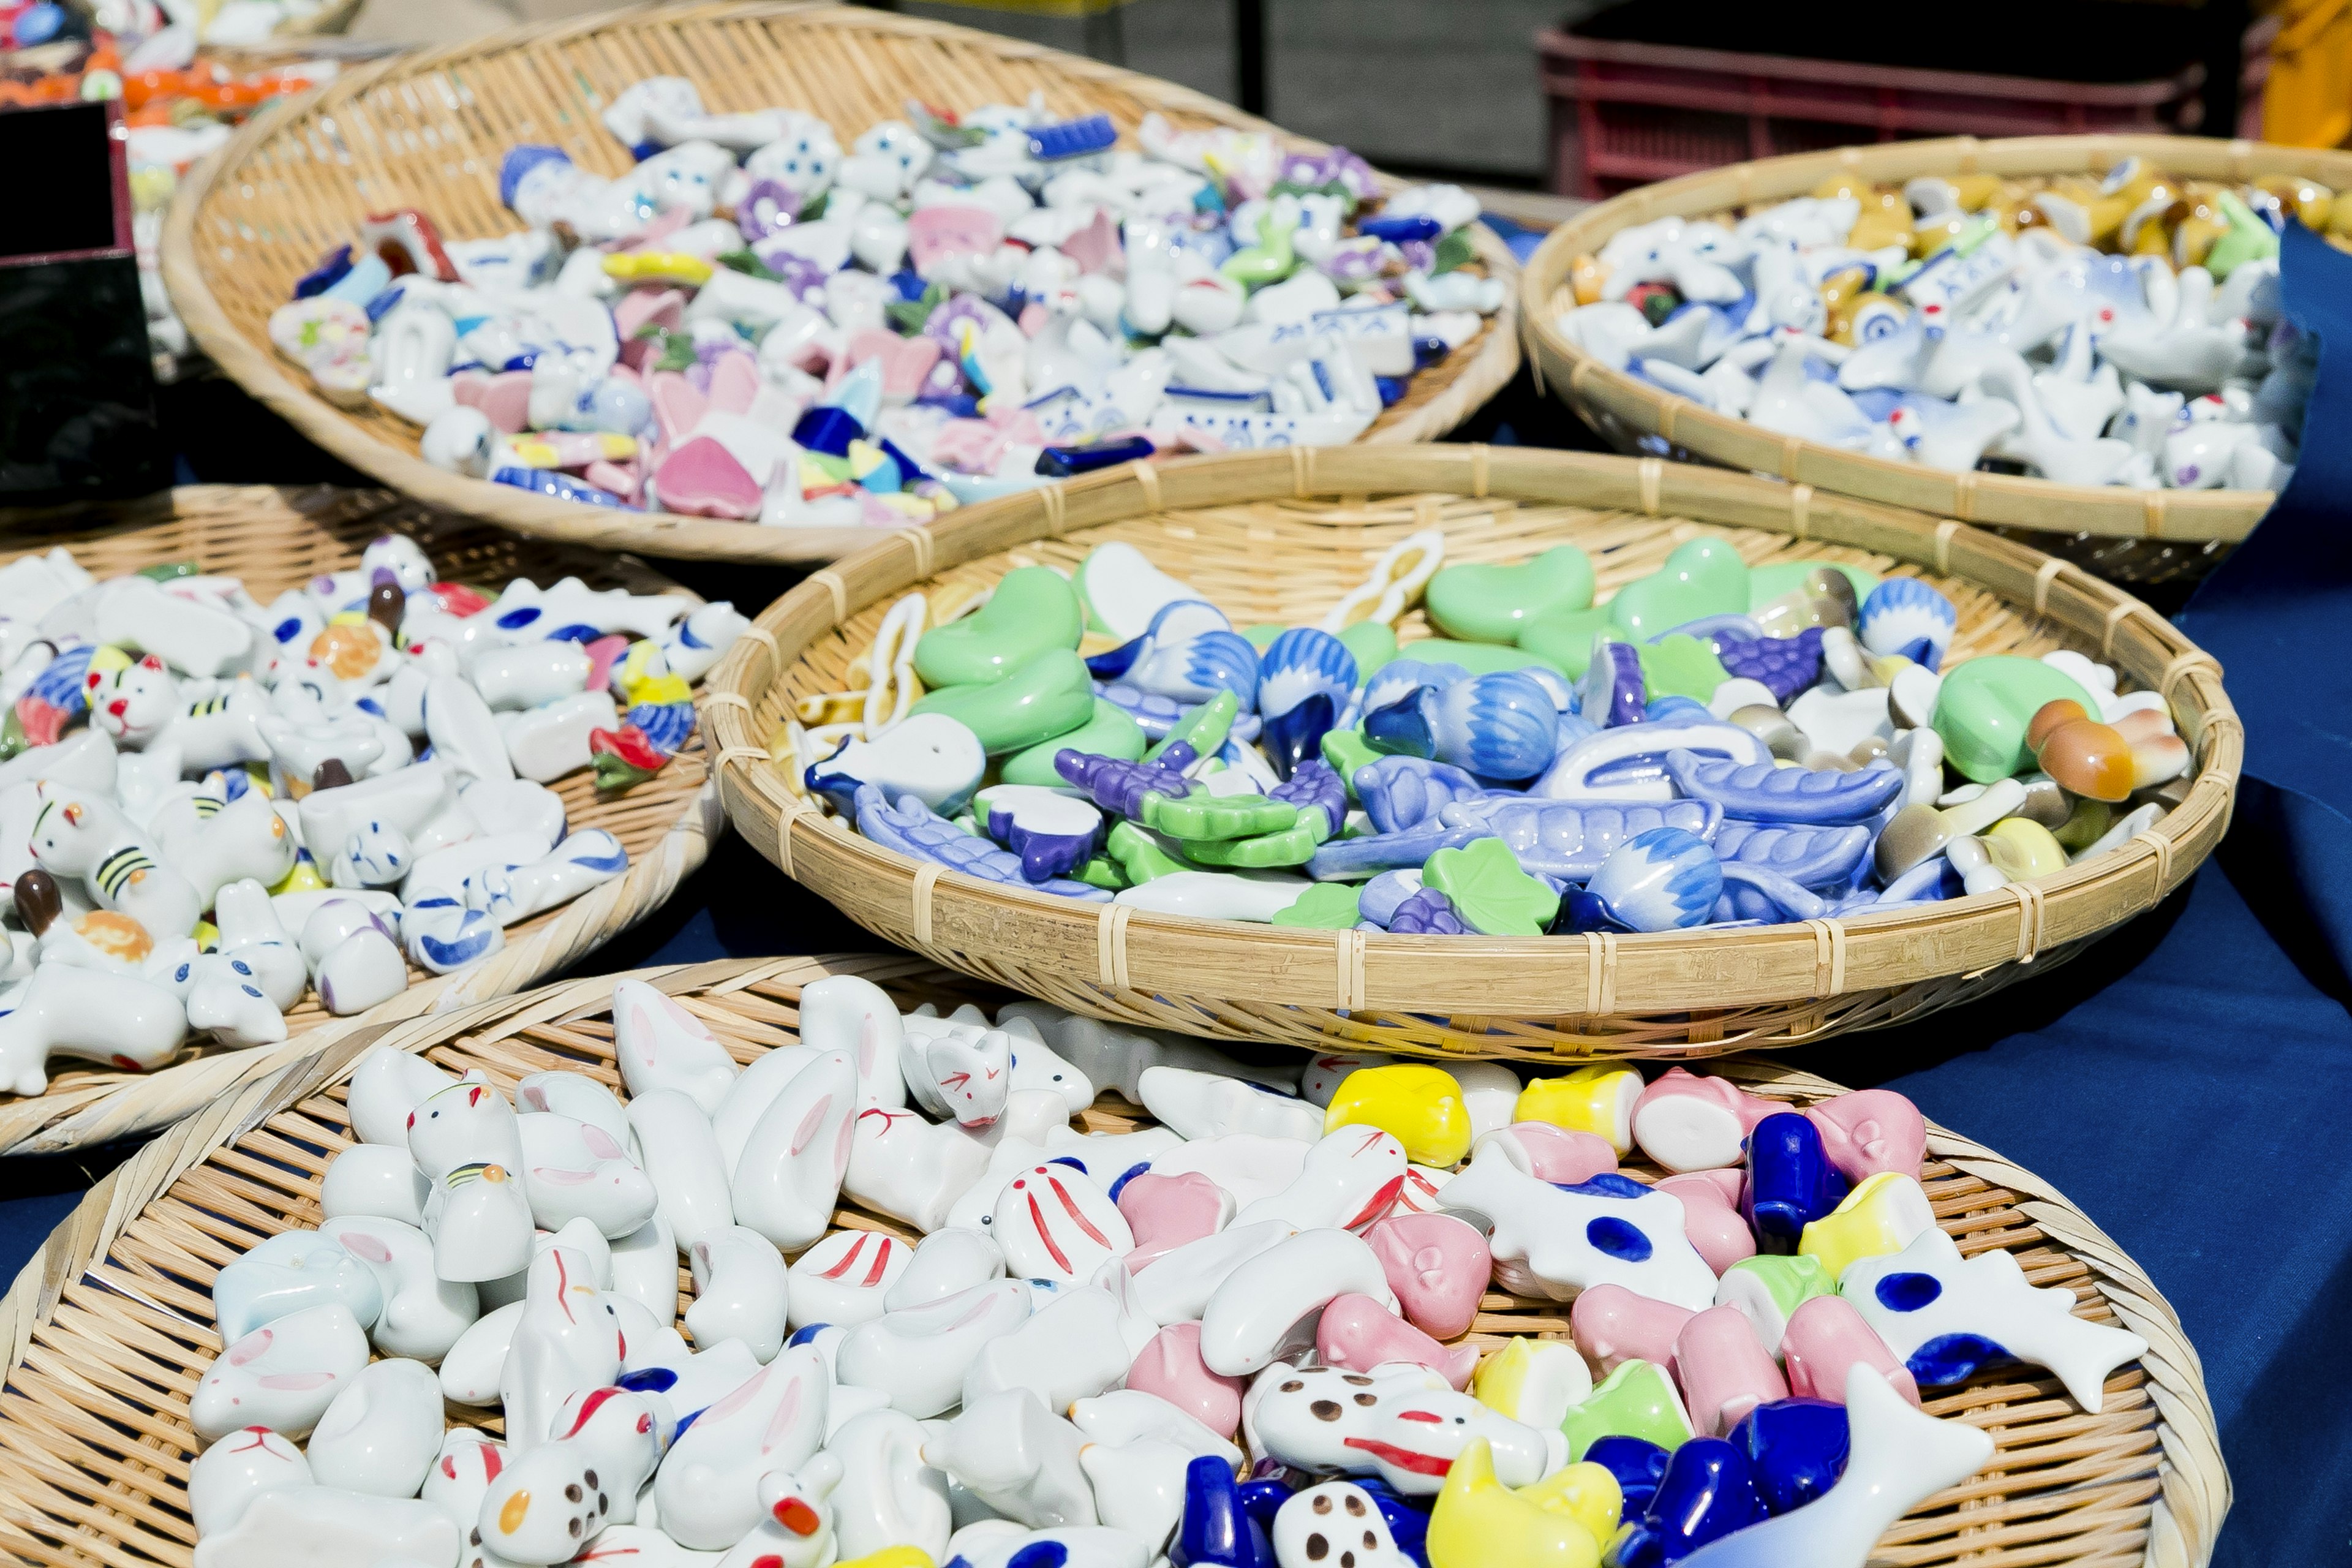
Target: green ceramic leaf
1681, 665
1141, 857
1984, 705
1202, 818
1111, 732
1346, 751
1565, 637
1326, 905
1491, 894
1703, 577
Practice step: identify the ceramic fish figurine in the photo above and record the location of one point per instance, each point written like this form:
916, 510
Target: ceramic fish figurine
913, 828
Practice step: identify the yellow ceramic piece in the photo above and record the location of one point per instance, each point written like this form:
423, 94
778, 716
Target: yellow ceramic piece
1841, 294
1933, 234
207, 937
1976, 192
1838, 185
915, 508
543, 455
864, 456
1533, 1382
1596, 1100
658, 266
2062, 215
1885, 220
1421, 1106
2307, 199
1479, 1522
2024, 849
303, 878
890, 1557
1867, 1224
1588, 276
644, 676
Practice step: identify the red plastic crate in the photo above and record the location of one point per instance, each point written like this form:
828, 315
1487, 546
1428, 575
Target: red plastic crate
1625, 114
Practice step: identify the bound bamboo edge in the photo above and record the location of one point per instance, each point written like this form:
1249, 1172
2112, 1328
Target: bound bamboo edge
259, 371
2178, 517
83, 1116
1646, 973
2194, 1494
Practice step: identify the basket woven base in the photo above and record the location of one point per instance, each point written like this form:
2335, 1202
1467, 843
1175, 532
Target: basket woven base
103, 1331
277, 540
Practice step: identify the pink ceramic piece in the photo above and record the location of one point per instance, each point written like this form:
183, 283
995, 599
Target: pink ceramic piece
621, 479
1359, 1333
1613, 1326
1826, 1337
643, 308
678, 407
1170, 1367
1686, 1123
734, 381
905, 362
1095, 247
504, 398
941, 233
1710, 1219
1724, 1372
1438, 1265
1871, 1130
1033, 319
1166, 1212
1560, 1154
702, 478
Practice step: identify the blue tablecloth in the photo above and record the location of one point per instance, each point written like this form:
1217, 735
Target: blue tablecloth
2183, 1081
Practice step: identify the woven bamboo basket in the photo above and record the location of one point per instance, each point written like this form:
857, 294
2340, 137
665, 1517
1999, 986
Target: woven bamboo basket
1276, 538
277, 540
2169, 532
428, 130
103, 1328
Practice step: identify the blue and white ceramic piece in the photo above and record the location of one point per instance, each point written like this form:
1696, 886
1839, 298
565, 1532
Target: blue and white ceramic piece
1304, 681
1666, 879
1796, 1450
1498, 726
1809, 857
1427, 912
1791, 1182
1053, 831
935, 758
1754, 893
1399, 677
1904, 616
1400, 792
1629, 761
1191, 669
1378, 900
1764, 792
914, 829
1708, 1493
1172, 623
1613, 692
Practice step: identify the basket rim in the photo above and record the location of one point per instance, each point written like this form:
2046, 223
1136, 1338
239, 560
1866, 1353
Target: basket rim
1585, 384
1134, 949
139, 1102
257, 369
2193, 1497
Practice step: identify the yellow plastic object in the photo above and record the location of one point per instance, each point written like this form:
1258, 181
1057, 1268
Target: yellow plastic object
1421, 1107
2024, 849
1479, 1522
658, 266
1596, 1100
1869, 1224
2307, 100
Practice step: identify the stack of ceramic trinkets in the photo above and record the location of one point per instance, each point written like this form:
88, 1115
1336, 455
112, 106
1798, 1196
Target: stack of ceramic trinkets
752, 324
1223, 1338
1714, 745
246, 813
2123, 331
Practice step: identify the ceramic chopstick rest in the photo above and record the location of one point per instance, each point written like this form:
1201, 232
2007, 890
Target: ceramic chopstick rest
578, 1169
546, 1503
847, 1011
738, 1291
660, 1045
1075, 1346
921, 1355
786, 1183
282, 1375
1018, 1457
382, 1433
237, 1467
1358, 1333
1712, 1222
1053, 1223
1556, 1241
910, 1168
1403, 1424
1945, 1318
956, 1069
1138, 1485
706, 1490
1534, 1382
1265, 1309
1197, 1105
1686, 1123
1826, 1336
116, 1020
1348, 1180
473, 1367
288, 1273
681, 1155
1169, 1367
1438, 1265
887, 1495
845, 1278
296, 1527
1249, 1166
423, 1314
1331, 1523
565, 1341
466, 1141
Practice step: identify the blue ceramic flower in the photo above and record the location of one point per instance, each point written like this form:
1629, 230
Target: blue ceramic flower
1905, 616
1663, 879
1304, 680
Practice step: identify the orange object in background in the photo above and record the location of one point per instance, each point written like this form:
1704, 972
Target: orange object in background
2307, 99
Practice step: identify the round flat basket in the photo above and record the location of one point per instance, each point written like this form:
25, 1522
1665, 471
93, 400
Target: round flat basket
104, 1328
428, 130
2123, 533
277, 540
1276, 538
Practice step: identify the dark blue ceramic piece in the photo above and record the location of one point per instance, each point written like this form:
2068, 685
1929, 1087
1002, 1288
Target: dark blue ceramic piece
1217, 1531
1637, 1463
1791, 1182
1785, 664
1796, 1449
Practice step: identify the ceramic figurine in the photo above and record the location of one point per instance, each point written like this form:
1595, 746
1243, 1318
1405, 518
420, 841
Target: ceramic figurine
575, 1169
1199, 1105
1534, 1382
422, 1313
1253, 1315
1686, 1123
681, 1155
1437, 1265
603, 1446
958, 1070
738, 1291
566, 1340
1826, 1336
1556, 1241
1079, 1344
226, 1477
845, 1278
1053, 1225
1946, 1318
919, 1357
282, 1375
464, 1140
1402, 1424
790, 1175
292, 1272
887, 1495
1018, 1458
382, 1433
299, 1525
1559, 1523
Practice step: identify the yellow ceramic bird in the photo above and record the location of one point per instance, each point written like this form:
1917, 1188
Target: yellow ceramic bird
1591, 1099
1559, 1522
1422, 1106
